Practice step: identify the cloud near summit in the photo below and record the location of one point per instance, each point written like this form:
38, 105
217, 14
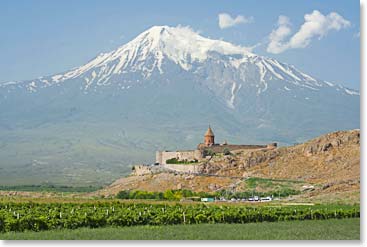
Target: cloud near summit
316, 25
226, 21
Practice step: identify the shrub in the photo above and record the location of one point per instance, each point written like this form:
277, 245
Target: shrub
226, 151
208, 152
177, 161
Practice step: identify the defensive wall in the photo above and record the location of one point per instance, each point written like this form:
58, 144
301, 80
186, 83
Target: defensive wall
141, 170
189, 155
182, 168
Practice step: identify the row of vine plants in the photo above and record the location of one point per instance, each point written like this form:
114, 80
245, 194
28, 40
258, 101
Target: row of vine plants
46, 216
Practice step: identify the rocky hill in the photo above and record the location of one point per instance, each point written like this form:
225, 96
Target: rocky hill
328, 158
329, 164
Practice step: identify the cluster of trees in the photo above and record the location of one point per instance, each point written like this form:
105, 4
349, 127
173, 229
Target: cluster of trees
210, 152
46, 216
176, 195
170, 195
177, 161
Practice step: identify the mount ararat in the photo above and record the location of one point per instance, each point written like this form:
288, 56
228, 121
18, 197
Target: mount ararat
159, 91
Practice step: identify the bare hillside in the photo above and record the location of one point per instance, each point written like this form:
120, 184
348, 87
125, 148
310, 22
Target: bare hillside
330, 158
330, 163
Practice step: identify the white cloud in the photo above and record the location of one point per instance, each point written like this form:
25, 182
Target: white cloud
278, 35
226, 21
316, 25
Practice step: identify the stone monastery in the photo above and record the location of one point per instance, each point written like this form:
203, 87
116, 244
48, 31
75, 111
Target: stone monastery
205, 149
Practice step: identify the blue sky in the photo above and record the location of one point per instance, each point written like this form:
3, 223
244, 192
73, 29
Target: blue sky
43, 37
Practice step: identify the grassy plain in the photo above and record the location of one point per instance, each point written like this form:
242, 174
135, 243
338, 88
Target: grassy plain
332, 229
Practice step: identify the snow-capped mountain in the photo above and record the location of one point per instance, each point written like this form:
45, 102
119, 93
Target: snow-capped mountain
160, 91
152, 50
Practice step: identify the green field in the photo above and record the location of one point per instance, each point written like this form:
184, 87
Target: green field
48, 188
333, 229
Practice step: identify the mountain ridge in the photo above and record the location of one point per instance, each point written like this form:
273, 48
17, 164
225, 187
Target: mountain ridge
184, 47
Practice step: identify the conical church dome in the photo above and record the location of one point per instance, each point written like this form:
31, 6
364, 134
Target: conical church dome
209, 137
209, 132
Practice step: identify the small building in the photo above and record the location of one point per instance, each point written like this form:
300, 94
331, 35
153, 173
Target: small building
266, 199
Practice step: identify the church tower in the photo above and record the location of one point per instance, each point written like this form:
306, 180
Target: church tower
209, 137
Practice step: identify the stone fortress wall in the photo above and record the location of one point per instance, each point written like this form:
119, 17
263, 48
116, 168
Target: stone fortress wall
190, 155
141, 170
182, 168
220, 148
198, 154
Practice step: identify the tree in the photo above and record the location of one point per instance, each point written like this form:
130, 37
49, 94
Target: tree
124, 194
208, 152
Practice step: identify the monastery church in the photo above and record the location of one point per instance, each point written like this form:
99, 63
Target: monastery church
208, 146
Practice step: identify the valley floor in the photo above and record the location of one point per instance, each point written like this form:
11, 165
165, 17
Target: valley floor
333, 229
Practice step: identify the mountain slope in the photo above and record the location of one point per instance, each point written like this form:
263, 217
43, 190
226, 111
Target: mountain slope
160, 91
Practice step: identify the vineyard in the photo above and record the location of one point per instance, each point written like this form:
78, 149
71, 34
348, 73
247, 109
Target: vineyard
46, 216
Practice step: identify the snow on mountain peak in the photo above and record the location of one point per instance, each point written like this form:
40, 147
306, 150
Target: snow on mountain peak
225, 67
180, 44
